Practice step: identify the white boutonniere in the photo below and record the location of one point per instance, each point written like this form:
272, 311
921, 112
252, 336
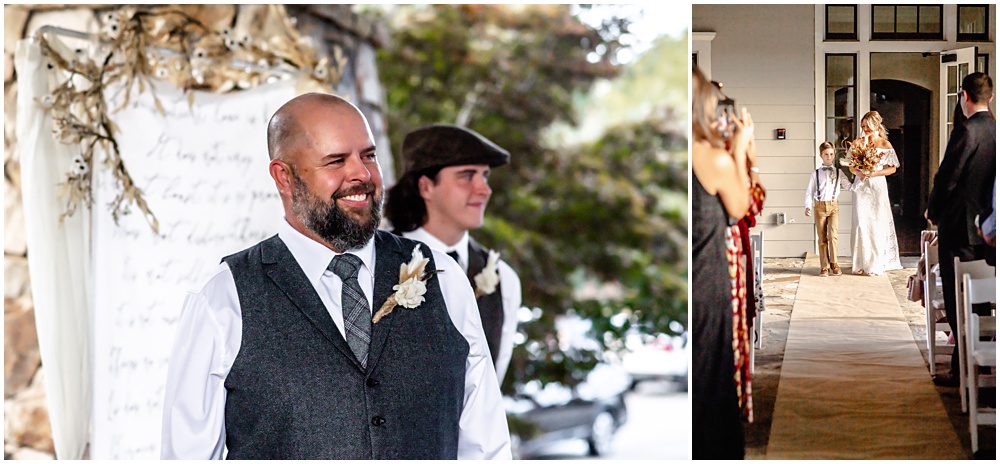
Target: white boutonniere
411, 288
487, 280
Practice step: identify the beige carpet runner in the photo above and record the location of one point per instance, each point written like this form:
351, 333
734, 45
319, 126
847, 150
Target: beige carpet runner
853, 382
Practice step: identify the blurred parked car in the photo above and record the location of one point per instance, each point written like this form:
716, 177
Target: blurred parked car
657, 357
593, 410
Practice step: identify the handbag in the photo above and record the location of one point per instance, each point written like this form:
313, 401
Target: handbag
915, 287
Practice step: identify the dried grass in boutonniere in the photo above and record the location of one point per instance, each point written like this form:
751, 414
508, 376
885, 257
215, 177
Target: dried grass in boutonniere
487, 280
863, 156
412, 286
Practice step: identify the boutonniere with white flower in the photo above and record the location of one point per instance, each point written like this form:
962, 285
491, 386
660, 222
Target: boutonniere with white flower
487, 280
412, 286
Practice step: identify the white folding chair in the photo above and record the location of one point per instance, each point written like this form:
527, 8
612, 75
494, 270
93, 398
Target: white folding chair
757, 247
977, 269
979, 353
934, 306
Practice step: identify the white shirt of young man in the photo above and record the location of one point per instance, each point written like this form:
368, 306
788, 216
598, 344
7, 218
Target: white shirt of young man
510, 291
829, 188
210, 331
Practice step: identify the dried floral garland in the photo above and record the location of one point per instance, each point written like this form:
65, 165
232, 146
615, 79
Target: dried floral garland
138, 46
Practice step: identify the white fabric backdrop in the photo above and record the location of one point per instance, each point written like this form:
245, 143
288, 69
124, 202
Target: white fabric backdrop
107, 296
204, 173
58, 259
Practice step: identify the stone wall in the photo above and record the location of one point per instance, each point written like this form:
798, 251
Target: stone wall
27, 432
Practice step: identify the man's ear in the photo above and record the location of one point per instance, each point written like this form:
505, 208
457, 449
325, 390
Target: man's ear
425, 186
282, 174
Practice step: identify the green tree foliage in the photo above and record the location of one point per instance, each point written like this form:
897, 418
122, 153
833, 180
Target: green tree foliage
567, 218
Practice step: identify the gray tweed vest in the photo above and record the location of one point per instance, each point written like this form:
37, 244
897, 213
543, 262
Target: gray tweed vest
295, 390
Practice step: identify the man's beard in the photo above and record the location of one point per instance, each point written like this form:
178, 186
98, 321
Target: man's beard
331, 223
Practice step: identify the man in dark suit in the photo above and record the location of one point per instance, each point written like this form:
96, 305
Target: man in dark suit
962, 189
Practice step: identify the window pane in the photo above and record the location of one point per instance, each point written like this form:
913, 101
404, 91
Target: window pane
972, 19
839, 130
981, 63
906, 18
840, 19
884, 18
963, 70
930, 19
834, 98
839, 70
952, 101
840, 98
952, 79
839, 101
831, 134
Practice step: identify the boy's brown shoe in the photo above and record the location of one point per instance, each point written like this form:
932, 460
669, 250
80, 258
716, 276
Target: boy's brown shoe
836, 270
824, 273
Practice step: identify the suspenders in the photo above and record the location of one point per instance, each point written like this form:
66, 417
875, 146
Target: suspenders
836, 183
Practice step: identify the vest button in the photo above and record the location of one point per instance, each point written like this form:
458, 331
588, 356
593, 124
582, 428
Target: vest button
378, 421
372, 382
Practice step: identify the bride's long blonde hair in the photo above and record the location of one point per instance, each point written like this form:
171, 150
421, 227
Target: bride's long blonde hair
873, 119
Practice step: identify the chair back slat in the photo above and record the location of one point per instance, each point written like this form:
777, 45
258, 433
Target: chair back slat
976, 291
931, 256
931, 285
757, 243
965, 272
987, 325
980, 290
977, 269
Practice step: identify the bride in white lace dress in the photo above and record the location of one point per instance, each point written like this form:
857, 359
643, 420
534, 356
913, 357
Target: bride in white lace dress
875, 249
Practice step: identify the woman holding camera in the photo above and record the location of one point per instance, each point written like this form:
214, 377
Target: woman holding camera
719, 197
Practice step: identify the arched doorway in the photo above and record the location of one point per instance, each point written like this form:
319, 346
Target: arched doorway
906, 109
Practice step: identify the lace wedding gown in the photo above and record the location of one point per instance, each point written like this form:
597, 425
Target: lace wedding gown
875, 247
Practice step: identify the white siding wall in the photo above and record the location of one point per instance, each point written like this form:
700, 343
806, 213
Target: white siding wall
765, 57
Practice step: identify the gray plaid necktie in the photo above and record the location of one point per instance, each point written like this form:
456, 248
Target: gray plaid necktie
357, 315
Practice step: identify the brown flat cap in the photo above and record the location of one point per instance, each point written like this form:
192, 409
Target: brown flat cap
440, 145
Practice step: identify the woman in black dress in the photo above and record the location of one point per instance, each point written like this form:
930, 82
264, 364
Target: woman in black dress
719, 195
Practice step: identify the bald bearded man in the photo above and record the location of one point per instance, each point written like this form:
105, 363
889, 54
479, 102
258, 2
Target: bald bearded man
277, 355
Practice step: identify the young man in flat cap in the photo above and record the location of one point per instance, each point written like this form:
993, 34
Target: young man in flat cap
440, 197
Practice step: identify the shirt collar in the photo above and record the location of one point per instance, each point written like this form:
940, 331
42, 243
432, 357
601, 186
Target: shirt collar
314, 257
461, 247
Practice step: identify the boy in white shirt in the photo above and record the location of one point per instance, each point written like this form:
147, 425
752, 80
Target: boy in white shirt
821, 195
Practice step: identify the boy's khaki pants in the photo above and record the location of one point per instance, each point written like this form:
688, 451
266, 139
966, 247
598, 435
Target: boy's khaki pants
827, 213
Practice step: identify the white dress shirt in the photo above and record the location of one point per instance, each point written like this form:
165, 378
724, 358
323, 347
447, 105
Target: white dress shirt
210, 331
829, 189
510, 291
